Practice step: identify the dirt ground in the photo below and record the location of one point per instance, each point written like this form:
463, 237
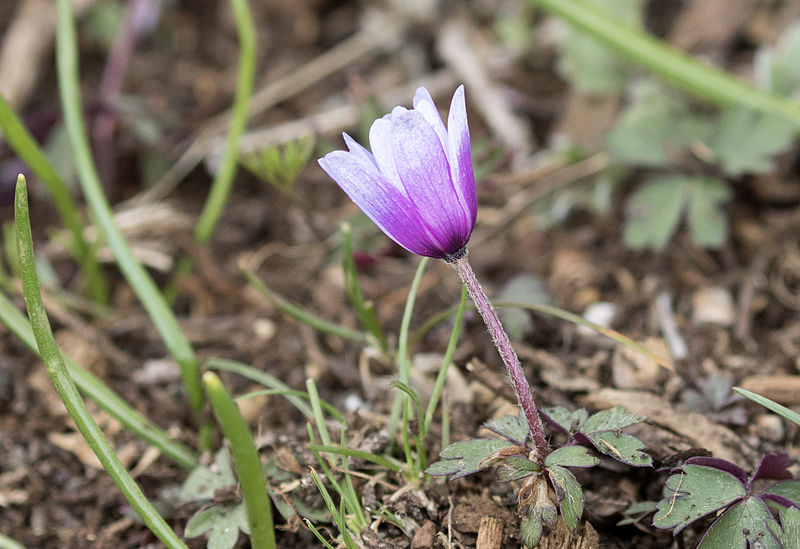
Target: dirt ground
323, 63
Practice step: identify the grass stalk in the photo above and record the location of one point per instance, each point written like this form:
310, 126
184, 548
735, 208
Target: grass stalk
403, 362
141, 282
25, 146
223, 180
67, 391
245, 461
678, 68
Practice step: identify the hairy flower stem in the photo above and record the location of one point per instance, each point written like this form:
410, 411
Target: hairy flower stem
507, 353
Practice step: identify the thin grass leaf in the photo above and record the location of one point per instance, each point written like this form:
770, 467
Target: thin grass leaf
141, 282
358, 454
316, 532
67, 391
676, 67
365, 311
223, 180
441, 377
25, 146
245, 461
403, 363
771, 405
548, 310
310, 319
300, 394
9, 543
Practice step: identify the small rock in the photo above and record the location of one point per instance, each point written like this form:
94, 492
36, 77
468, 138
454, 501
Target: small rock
713, 305
769, 427
424, 537
599, 312
630, 369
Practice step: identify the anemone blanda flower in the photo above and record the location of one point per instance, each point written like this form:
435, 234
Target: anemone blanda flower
417, 184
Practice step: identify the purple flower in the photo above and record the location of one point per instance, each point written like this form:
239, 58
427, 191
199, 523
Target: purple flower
417, 184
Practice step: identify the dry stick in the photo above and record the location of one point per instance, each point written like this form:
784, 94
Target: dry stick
312, 72
456, 45
503, 344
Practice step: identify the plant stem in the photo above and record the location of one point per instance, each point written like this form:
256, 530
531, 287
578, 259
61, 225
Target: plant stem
507, 353
675, 66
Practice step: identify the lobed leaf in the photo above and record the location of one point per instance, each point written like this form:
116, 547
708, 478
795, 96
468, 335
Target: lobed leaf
745, 141
745, 525
514, 428
789, 489
790, 528
466, 457
693, 493
515, 468
571, 456
609, 420
565, 419
224, 521
569, 493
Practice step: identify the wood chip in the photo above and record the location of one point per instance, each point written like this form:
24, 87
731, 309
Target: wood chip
490, 533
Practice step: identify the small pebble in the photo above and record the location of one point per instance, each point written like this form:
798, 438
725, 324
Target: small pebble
713, 305
424, 537
600, 312
770, 427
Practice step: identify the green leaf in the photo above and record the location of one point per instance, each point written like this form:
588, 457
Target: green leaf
515, 467
540, 511
466, 457
779, 409
708, 225
790, 525
657, 128
530, 529
570, 495
622, 447
571, 456
224, 521
608, 420
693, 493
745, 141
592, 67
203, 481
741, 527
790, 489
654, 211
514, 428
777, 69
566, 419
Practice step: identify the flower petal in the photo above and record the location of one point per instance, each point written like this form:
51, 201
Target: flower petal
424, 171
381, 144
380, 201
423, 104
358, 150
459, 154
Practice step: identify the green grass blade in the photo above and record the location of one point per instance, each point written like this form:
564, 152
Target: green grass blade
549, 310
676, 67
25, 146
441, 377
318, 535
245, 461
300, 394
141, 282
403, 362
366, 456
101, 394
365, 311
263, 378
223, 181
307, 318
9, 543
771, 405
67, 391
